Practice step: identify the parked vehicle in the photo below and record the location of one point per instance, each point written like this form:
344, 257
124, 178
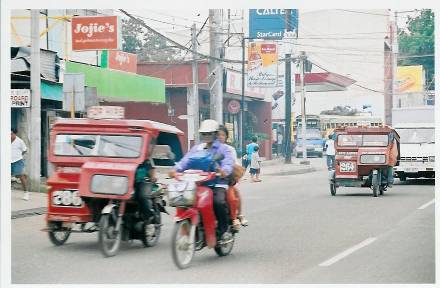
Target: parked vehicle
314, 141
195, 225
364, 158
416, 127
92, 188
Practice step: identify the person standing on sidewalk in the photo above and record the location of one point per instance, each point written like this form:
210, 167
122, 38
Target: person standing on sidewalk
249, 150
255, 165
280, 145
18, 149
330, 151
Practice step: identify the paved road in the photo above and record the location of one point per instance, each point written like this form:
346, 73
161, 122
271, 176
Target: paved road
298, 233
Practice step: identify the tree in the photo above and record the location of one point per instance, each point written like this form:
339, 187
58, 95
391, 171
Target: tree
147, 45
417, 39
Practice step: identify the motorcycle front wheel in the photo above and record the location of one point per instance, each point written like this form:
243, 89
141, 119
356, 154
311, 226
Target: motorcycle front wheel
183, 245
109, 239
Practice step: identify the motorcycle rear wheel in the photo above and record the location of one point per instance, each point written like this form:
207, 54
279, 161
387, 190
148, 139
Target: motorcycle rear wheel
109, 240
150, 241
182, 246
225, 249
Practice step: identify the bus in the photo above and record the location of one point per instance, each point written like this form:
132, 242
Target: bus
312, 121
330, 122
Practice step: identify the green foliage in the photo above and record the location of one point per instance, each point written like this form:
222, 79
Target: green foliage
147, 45
418, 39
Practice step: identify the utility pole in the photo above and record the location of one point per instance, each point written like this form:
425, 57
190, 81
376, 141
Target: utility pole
288, 83
303, 59
195, 77
35, 123
395, 48
215, 67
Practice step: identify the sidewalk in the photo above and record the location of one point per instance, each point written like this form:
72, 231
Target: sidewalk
36, 204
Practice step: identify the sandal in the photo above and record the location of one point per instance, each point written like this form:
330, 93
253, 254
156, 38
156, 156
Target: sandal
236, 224
243, 221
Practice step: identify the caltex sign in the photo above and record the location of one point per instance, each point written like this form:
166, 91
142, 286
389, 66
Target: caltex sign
271, 23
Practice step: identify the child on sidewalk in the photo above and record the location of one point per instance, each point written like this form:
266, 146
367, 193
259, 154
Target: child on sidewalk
255, 165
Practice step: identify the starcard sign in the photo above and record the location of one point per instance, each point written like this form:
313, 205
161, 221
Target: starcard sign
20, 98
96, 33
271, 24
262, 64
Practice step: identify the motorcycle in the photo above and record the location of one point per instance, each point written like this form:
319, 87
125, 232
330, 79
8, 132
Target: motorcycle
195, 226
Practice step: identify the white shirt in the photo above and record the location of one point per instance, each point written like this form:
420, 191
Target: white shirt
17, 149
255, 161
280, 139
330, 146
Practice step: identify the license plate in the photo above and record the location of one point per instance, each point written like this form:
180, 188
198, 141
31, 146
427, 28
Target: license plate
67, 198
347, 167
411, 169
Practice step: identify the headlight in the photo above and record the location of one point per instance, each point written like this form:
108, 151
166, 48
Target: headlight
109, 184
373, 159
431, 158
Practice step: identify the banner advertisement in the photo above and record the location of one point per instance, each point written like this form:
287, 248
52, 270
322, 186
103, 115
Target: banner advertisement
410, 79
262, 64
20, 98
96, 33
123, 61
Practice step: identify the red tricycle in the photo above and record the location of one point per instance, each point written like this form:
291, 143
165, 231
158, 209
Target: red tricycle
92, 188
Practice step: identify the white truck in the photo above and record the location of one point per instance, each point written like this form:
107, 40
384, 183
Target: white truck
416, 128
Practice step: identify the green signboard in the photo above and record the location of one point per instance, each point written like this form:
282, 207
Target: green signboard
120, 86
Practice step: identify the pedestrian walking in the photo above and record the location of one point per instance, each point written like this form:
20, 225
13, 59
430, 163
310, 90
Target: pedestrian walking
330, 151
18, 149
255, 165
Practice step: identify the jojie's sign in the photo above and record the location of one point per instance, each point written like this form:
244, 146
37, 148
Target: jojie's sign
123, 61
271, 23
96, 33
20, 98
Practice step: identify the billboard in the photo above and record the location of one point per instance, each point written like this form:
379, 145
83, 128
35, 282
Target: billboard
262, 64
96, 33
233, 85
410, 79
270, 23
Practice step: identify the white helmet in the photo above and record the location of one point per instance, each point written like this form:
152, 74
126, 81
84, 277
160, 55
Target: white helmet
208, 126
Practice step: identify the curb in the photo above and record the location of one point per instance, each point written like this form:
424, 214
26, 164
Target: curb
28, 212
293, 172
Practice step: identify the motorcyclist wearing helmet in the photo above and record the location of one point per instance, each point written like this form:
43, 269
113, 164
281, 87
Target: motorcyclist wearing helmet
200, 157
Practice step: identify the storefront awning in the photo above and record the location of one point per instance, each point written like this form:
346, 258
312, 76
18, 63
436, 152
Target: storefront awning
120, 86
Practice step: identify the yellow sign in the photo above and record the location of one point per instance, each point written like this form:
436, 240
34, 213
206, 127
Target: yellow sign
410, 79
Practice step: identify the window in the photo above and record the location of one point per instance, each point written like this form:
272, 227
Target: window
122, 146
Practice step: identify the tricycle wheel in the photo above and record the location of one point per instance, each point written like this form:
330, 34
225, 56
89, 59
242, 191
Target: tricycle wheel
182, 246
57, 235
333, 189
150, 238
109, 240
376, 183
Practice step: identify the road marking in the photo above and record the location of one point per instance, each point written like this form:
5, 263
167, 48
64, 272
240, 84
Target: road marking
426, 205
348, 252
